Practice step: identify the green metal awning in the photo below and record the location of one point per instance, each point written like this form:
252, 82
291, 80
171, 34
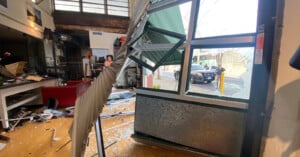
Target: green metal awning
167, 19
160, 40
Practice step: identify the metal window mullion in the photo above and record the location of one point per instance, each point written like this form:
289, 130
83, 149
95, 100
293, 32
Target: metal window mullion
248, 39
80, 6
52, 7
105, 7
142, 63
128, 8
187, 53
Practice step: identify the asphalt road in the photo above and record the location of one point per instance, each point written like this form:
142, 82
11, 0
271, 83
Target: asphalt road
233, 87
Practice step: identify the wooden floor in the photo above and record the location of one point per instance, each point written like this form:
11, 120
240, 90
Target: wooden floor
34, 139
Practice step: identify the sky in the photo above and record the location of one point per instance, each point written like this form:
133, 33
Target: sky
222, 17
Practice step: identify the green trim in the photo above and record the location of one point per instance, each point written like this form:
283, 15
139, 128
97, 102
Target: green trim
169, 53
141, 63
166, 32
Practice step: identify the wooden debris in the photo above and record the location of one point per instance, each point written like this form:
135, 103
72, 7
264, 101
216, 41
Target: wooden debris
4, 138
23, 114
61, 147
53, 137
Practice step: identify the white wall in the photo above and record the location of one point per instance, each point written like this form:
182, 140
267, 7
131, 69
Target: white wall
284, 131
103, 40
15, 16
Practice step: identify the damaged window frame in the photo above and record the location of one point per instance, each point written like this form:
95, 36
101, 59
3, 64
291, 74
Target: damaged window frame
169, 52
188, 45
238, 40
171, 47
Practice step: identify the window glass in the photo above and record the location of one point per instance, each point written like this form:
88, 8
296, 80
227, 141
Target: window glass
163, 78
166, 77
123, 3
93, 1
113, 7
93, 8
235, 66
120, 11
229, 17
157, 48
117, 7
67, 5
175, 19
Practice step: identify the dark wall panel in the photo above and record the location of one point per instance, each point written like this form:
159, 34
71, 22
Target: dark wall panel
215, 130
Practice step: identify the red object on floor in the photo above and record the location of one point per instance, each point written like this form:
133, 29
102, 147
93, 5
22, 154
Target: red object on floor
65, 95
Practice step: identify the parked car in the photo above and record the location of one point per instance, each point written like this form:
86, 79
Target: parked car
199, 74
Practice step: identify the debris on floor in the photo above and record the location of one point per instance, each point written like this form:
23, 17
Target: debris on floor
94, 155
4, 138
20, 119
39, 113
110, 145
54, 112
120, 97
62, 146
117, 114
69, 111
44, 113
41, 117
34, 139
2, 145
53, 137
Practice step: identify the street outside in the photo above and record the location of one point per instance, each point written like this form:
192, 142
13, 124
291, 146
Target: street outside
233, 87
